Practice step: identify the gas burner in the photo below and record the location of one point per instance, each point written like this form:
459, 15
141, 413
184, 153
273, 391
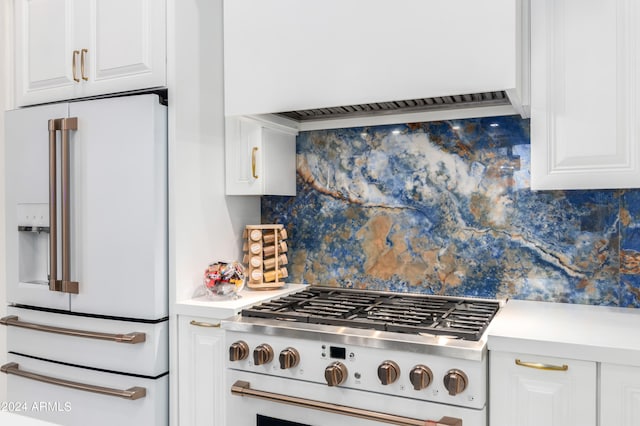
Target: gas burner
462, 318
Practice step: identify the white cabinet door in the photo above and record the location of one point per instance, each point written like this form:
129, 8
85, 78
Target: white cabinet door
523, 394
619, 395
68, 49
45, 34
260, 159
126, 48
201, 384
585, 94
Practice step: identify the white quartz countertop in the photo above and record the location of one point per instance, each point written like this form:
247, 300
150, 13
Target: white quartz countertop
592, 333
225, 308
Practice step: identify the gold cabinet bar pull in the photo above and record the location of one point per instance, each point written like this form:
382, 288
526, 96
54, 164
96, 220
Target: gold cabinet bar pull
132, 338
242, 388
539, 366
204, 324
74, 65
83, 55
133, 393
253, 162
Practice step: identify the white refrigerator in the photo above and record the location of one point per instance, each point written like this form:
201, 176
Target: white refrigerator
87, 274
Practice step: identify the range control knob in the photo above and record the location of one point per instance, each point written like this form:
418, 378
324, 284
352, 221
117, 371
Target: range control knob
420, 377
238, 351
288, 358
455, 381
336, 373
262, 354
388, 372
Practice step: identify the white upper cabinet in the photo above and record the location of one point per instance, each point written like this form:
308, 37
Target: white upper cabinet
260, 157
287, 55
66, 49
585, 94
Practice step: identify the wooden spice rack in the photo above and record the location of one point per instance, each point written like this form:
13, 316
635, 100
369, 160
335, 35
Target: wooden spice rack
264, 255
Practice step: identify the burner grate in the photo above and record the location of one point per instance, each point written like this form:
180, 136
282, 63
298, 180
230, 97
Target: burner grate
402, 313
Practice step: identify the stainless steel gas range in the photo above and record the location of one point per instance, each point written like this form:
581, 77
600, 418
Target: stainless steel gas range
327, 356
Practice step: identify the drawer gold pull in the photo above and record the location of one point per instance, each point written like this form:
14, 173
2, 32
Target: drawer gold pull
204, 324
133, 393
132, 338
539, 366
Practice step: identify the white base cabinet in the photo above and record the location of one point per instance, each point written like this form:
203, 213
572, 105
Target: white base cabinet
585, 94
532, 390
201, 385
67, 49
619, 395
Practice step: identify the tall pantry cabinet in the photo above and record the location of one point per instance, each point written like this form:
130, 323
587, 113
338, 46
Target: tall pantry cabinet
66, 49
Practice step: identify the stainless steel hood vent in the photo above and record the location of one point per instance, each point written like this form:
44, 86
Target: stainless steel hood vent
472, 100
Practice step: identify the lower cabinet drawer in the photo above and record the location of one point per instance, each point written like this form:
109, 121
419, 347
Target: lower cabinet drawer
534, 390
76, 396
32, 332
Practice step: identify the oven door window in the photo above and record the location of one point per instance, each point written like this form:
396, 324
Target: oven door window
270, 421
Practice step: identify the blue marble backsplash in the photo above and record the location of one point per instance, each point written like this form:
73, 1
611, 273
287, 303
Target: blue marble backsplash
445, 208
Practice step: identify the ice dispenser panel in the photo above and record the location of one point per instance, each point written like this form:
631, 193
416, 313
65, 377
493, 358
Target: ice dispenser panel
33, 243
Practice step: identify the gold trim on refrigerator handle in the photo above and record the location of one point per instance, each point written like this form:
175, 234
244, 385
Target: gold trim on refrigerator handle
83, 54
53, 207
132, 338
66, 285
242, 388
133, 393
539, 366
74, 65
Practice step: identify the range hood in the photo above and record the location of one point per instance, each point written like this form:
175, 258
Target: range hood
486, 104
345, 63
409, 105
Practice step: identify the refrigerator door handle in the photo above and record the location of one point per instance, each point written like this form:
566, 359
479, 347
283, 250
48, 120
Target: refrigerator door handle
65, 285
53, 207
132, 338
133, 393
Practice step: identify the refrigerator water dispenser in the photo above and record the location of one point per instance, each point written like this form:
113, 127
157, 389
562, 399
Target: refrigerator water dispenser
33, 243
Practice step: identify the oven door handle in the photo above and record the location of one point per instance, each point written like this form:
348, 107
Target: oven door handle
242, 388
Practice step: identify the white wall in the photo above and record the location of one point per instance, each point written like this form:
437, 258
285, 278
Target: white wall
204, 224
5, 98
